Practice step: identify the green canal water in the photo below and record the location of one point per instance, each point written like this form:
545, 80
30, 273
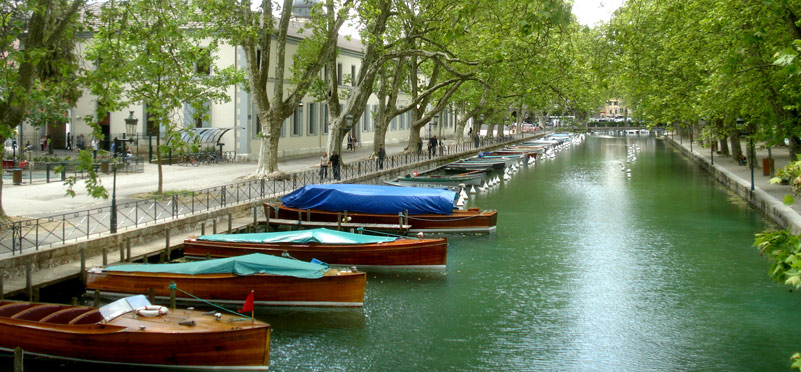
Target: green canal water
590, 270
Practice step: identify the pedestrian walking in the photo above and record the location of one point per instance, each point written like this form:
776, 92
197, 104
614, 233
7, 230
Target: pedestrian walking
351, 142
94, 148
114, 148
335, 165
43, 142
324, 165
381, 155
432, 146
476, 140
419, 146
69, 141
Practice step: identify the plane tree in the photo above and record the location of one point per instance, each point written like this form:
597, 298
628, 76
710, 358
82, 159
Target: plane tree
38, 65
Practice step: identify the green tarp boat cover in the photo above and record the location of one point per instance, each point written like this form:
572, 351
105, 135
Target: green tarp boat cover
250, 264
324, 236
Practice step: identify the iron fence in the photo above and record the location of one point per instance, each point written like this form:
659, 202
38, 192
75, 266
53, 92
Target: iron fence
59, 229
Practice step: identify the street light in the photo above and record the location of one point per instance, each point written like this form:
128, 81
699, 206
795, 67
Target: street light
130, 129
746, 130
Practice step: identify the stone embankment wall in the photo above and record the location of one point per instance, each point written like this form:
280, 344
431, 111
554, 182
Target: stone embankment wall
774, 209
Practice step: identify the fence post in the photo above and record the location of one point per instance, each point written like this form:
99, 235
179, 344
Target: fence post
122, 253
28, 279
18, 359
174, 205
47, 172
83, 265
255, 218
230, 223
214, 226
223, 195
203, 228
167, 244
105, 256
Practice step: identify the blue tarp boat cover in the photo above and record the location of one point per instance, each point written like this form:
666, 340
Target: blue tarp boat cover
324, 236
250, 264
371, 199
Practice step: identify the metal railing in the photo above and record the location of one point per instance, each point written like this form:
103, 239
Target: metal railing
58, 171
61, 228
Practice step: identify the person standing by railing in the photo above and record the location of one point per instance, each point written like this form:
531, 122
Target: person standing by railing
324, 165
382, 154
335, 165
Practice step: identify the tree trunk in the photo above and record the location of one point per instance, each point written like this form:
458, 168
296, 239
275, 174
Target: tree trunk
268, 147
724, 146
736, 147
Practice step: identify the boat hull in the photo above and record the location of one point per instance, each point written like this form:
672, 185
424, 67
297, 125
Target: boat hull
209, 344
406, 253
346, 289
472, 220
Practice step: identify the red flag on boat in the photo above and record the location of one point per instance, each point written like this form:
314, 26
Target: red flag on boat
248, 306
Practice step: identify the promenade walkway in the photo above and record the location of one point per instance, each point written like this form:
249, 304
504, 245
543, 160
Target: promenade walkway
766, 197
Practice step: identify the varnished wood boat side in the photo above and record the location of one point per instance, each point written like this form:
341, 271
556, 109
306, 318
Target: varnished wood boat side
470, 220
401, 252
345, 289
136, 340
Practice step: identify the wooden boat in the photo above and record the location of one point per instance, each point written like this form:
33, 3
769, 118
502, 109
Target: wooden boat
331, 246
465, 165
467, 178
423, 209
115, 334
276, 281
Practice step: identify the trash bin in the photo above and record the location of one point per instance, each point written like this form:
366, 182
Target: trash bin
104, 167
16, 175
767, 166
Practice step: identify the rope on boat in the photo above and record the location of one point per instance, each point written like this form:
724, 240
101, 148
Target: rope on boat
174, 286
374, 232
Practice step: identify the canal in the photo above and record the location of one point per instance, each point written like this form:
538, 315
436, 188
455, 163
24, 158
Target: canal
591, 269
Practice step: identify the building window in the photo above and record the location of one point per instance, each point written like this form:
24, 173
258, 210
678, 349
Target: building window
324, 117
393, 124
366, 119
297, 122
352, 75
203, 66
339, 74
312, 119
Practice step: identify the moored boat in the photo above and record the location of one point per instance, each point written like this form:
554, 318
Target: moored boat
331, 246
119, 333
424, 209
467, 178
277, 281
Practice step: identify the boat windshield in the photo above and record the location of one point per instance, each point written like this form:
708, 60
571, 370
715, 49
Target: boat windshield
122, 306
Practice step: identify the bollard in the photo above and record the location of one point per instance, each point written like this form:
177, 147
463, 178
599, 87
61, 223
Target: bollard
96, 298
230, 223
203, 228
172, 295
151, 295
18, 356
214, 226
83, 265
105, 256
122, 253
167, 244
128, 249
28, 280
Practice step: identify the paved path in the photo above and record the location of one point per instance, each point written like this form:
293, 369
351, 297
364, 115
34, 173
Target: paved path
45, 199
781, 156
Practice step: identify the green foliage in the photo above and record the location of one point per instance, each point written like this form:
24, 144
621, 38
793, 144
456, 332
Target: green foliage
791, 172
784, 250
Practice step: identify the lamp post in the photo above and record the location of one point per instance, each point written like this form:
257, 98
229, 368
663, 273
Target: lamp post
745, 129
130, 129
